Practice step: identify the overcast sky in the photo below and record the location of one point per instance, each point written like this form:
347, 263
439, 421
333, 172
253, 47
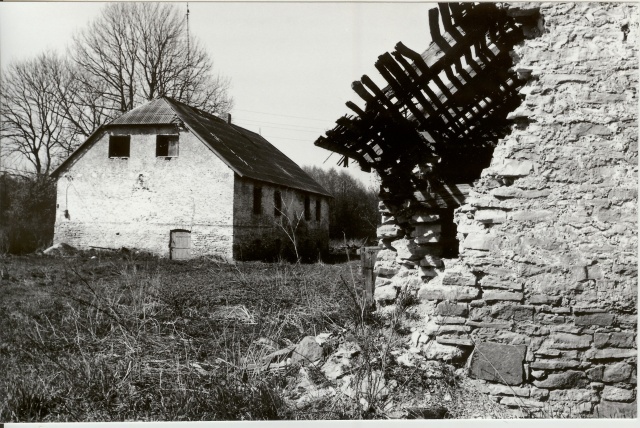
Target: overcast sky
291, 64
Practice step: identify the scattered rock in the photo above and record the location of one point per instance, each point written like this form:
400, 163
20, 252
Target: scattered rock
340, 362
60, 249
307, 351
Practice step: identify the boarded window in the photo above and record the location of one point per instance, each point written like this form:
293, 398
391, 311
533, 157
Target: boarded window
119, 146
166, 146
257, 200
318, 209
277, 203
307, 208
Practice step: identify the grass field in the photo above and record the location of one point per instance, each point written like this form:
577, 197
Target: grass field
111, 337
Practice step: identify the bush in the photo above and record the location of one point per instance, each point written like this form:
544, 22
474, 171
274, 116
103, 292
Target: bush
27, 213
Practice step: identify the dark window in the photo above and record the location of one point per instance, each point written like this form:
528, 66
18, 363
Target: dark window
318, 209
277, 203
119, 146
257, 200
166, 146
307, 208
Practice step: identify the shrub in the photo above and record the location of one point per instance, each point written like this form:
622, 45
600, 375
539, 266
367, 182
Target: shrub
27, 213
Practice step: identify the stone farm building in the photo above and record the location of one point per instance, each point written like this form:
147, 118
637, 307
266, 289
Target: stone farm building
175, 181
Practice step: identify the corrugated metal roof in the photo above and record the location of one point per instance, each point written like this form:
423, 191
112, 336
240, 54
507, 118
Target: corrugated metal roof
246, 153
155, 112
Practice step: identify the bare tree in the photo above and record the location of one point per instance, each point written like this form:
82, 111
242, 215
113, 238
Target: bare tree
33, 121
139, 51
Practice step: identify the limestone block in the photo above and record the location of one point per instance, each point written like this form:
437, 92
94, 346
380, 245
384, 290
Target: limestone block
512, 192
612, 393
554, 364
497, 389
510, 311
496, 362
452, 309
385, 294
545, 299
568, 379
530, 215
430, 261
454, 341
489, 324
494, 296
596, 373
490, 216
459, 277
618, 372
574, 395
478, 241
437, 351
612, 409
448, 319
601, 319
442, 292
614, 339
490, 281
513, 168
389, 231
567, 341
610, 353
521, 402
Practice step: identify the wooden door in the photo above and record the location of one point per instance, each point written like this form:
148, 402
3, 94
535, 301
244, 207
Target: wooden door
180, 245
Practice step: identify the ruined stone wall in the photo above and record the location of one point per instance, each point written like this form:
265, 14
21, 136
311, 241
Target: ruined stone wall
541, 304
266, 235
136, 202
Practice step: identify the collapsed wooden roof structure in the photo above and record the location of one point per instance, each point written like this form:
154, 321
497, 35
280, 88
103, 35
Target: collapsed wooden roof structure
443, 110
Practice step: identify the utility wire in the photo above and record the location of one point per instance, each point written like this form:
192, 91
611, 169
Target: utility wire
278, 123
283, 115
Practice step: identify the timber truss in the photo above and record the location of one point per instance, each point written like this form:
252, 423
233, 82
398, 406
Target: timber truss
435, 125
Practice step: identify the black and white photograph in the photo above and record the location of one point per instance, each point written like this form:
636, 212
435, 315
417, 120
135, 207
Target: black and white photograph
318, 211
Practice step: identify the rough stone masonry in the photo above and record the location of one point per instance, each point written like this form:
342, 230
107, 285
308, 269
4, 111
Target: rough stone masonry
541, 304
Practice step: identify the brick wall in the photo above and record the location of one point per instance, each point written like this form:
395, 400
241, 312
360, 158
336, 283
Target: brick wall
266, 235
541, 304
136, 202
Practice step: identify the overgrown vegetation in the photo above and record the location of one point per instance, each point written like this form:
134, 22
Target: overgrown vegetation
27, 213
354, 207
110, 337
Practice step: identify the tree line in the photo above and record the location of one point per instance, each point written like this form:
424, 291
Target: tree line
131, 53
353, 210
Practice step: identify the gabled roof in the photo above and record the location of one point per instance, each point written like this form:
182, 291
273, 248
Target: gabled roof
246, 153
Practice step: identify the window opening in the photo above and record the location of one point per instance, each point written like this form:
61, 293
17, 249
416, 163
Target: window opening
257, 200
307, 208
119, 146
277, 203
166, 146
318, 209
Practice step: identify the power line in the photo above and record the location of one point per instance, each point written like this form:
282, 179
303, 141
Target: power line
280, 123
283, 115
288, 129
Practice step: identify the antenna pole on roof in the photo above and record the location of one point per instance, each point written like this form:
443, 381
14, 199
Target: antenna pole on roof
188, 47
